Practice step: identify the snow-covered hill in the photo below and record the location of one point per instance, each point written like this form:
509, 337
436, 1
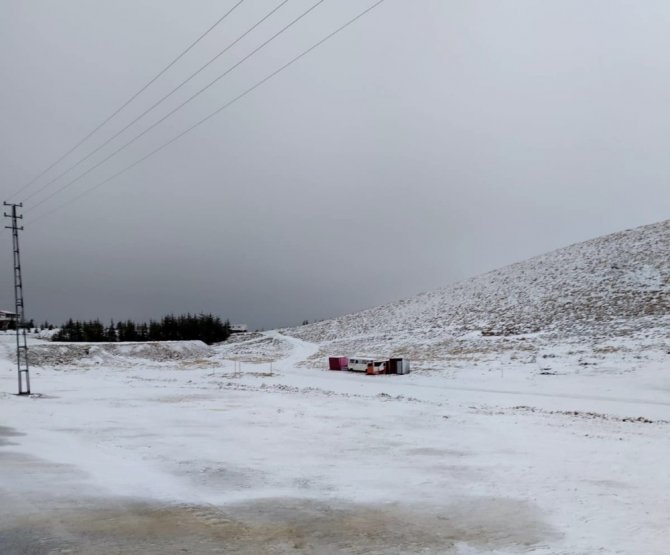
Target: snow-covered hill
610, 295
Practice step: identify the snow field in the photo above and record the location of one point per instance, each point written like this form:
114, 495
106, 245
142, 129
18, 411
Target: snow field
478, 462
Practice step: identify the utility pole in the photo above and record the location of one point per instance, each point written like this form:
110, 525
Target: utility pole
21, 340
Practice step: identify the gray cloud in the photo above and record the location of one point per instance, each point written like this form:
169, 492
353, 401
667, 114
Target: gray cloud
430, 141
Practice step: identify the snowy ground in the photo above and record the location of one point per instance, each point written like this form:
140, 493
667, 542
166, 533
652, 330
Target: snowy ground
122, 454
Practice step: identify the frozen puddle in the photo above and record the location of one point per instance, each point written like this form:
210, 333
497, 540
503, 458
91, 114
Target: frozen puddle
482, 525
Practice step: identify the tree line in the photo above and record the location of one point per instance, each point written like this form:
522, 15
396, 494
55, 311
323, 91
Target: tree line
204, 327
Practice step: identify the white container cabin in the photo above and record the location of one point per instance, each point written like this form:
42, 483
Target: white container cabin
360, 363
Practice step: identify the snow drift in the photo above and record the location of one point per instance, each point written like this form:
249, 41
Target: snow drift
117, 354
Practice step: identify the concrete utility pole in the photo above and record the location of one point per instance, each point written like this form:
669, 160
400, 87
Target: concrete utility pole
21, 340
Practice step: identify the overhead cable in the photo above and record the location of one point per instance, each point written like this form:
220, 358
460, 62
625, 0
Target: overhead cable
154, 105
211, 115
179, 107
127, 102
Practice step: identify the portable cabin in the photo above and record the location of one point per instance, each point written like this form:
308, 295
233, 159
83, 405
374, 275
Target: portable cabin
361, 364
338, 363
398, 365
377, 367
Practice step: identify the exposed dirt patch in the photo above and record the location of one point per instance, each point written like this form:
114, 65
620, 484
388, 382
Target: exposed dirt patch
591, 415
277, 526
201, 363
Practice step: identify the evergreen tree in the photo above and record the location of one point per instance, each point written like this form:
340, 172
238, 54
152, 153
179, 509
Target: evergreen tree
204, 327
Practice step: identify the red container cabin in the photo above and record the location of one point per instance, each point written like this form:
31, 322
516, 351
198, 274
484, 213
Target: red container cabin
338, 363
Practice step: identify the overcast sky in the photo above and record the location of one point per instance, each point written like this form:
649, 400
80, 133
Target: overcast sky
430, 141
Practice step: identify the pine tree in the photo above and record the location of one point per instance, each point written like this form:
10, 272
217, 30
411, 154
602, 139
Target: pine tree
110, 333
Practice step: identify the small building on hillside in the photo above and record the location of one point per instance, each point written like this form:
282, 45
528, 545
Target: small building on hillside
6, 319
239, 328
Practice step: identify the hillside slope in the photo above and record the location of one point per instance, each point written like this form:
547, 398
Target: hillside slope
611, 294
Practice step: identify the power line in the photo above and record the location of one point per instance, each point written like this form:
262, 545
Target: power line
133, 97
179, 107
161, 100
212, 114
